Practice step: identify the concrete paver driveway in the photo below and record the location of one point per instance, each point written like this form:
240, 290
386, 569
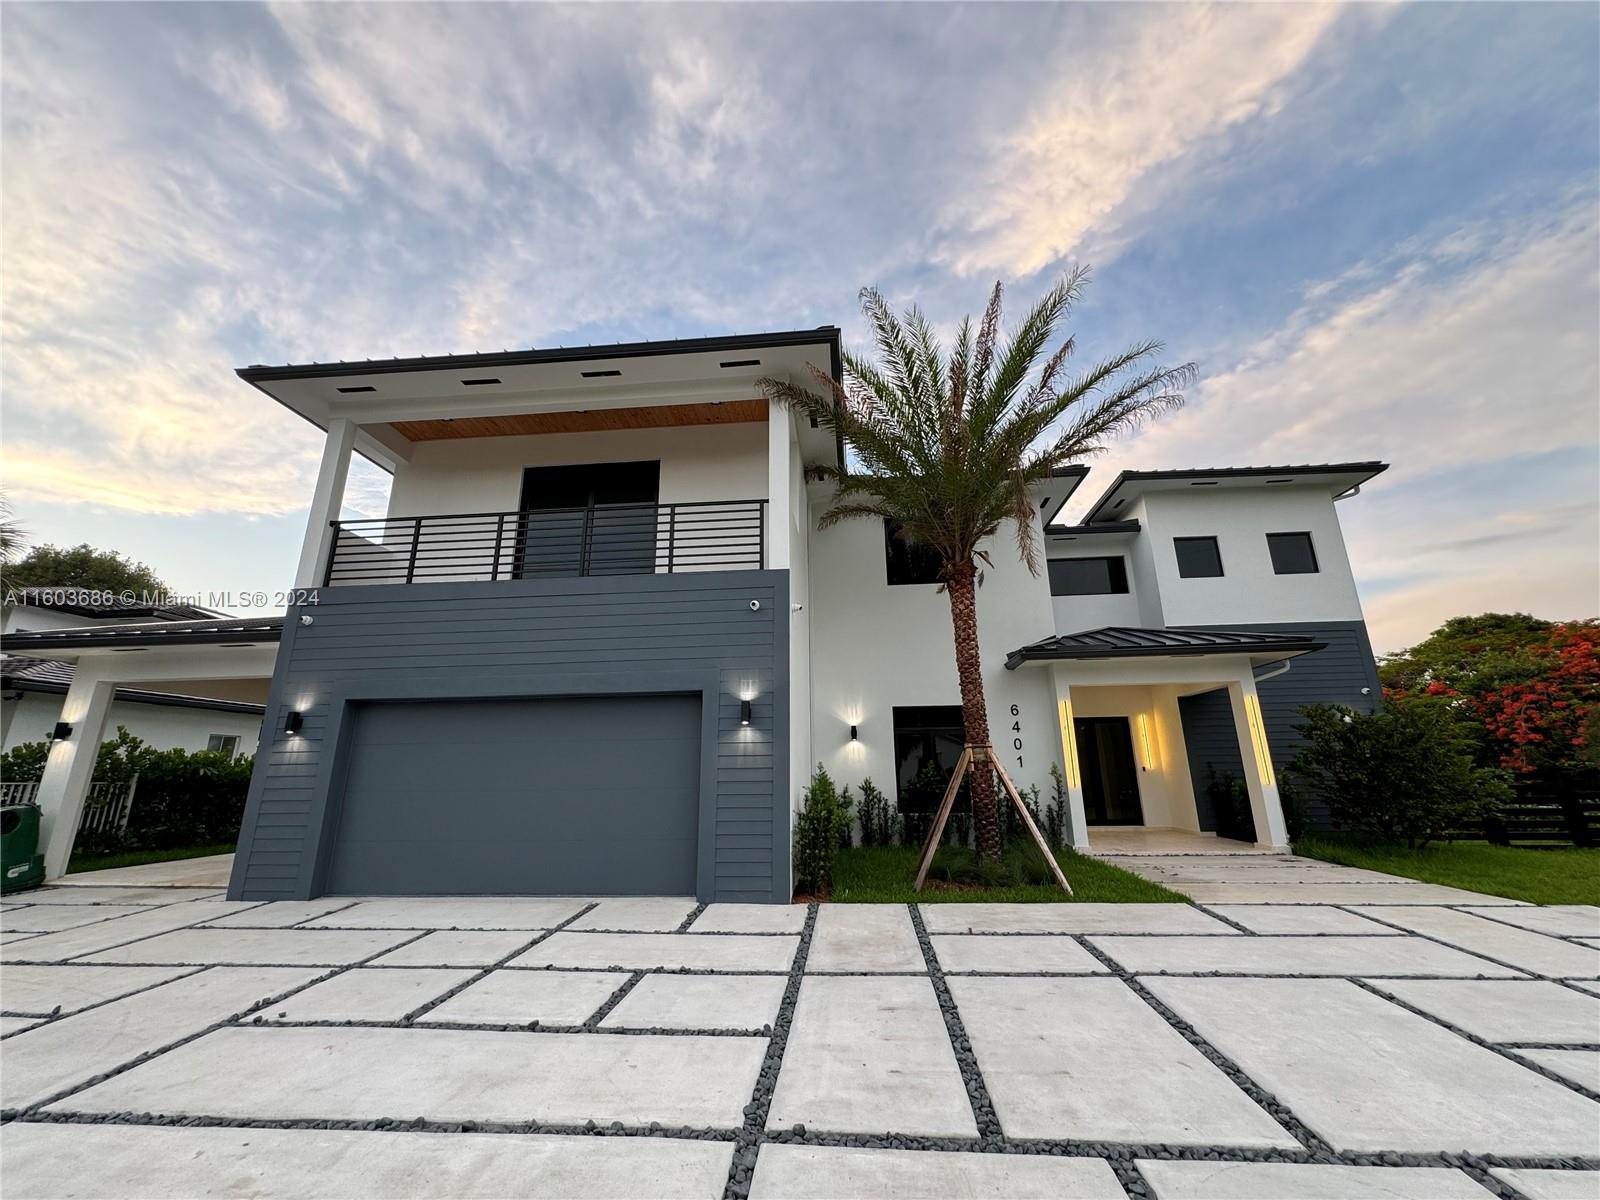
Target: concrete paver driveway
167, 1042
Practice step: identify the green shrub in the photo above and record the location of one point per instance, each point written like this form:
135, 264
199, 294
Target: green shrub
24, 763
1055, 813
183, 798
1403, 774
877, 816
820, 829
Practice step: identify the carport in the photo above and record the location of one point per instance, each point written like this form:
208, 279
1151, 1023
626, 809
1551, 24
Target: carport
226, 659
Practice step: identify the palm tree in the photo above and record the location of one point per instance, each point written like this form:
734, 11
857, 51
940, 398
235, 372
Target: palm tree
13, 537
946, 448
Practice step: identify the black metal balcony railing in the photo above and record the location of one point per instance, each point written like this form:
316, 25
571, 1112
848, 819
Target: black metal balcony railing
605, 539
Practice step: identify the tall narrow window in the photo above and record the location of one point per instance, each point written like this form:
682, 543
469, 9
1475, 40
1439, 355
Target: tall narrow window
1198, 557
1292, 553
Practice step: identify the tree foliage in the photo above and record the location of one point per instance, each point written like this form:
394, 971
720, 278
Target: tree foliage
83, 567
1405, 773
1467, 656
1529, 688
948, 443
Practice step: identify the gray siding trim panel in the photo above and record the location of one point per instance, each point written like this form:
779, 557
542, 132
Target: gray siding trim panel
639, 635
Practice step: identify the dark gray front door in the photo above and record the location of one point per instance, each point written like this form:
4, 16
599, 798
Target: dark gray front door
591, 796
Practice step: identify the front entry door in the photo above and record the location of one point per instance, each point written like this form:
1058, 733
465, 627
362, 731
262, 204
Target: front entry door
1110, 778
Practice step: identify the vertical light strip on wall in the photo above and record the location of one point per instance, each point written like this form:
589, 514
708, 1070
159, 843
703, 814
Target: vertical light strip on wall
1069, 742
1258, 739
1144, 742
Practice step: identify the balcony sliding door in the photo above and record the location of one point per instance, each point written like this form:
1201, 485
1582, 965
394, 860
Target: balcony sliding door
588, 519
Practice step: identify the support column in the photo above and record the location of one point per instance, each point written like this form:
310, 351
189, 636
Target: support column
326, 500
69, 770
780, 425
1265, 804
1076, 820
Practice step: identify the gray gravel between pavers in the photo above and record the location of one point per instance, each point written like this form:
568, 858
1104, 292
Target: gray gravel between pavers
752, 1135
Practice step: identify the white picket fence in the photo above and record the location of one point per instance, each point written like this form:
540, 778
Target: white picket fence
105, 809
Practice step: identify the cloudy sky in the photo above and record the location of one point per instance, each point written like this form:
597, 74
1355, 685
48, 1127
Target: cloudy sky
1376, 229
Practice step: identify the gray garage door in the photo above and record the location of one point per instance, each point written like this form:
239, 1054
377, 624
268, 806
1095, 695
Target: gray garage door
595, 796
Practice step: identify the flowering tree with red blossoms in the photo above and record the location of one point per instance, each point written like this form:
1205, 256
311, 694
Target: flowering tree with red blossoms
1543, 724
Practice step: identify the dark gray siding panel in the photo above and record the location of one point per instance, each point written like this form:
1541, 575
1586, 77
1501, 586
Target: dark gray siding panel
627, 635
1333, 675
1211, 744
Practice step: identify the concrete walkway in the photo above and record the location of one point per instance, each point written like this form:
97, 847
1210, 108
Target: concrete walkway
167, 1042
211, 871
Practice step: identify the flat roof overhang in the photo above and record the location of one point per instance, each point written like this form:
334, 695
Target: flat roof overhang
1126, 642
167, 635
1337, 478
418, 393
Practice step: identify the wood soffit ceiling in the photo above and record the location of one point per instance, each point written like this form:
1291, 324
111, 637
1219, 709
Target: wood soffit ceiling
660, 416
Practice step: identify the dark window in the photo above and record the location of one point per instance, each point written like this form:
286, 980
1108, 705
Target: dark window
588, 519
1198, 557
908, 562
1292, 553
228, 743
927, 742
1088, 576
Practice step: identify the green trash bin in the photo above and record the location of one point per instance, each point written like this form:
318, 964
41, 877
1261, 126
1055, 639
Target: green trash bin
21, 864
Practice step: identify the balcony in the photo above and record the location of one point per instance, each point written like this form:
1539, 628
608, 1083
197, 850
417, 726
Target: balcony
604, 539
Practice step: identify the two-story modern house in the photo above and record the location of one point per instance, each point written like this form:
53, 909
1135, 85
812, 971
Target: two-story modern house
598, 643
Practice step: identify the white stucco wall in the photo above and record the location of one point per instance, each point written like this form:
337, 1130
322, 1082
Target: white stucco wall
1166, 797
162, 726
481, 475
1248, 590
875, 647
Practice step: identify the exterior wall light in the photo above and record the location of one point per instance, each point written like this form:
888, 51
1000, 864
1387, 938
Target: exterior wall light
855, 734
1069, 743
293, 722
1258, 739
1145, 757
744, 712
61, 732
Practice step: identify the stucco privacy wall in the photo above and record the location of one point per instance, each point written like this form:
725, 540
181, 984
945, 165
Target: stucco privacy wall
552, 637
875, 647
477, 475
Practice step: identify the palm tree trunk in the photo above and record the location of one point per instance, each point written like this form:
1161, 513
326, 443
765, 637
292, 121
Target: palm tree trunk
961, 583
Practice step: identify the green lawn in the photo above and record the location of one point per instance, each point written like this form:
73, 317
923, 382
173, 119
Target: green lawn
883, 875
134, 858
1560, 875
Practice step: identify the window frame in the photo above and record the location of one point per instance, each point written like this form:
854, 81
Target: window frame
230, 743
908, 556
1310, 548
1216, 550
1115, 575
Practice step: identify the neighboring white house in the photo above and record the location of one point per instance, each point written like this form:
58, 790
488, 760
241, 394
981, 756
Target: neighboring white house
32, 690
598, 644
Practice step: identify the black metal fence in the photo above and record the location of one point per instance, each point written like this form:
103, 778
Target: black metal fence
603, 539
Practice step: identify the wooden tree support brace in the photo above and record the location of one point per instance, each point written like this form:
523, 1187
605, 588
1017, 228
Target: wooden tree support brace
971, 757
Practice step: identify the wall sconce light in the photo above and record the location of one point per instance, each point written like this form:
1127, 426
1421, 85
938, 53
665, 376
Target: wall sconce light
1258, 739
855, 734
1069, 742
292, 723
1145, 757
61, 732
744, 712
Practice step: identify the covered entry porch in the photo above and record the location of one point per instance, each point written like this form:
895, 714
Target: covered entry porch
1163, 746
